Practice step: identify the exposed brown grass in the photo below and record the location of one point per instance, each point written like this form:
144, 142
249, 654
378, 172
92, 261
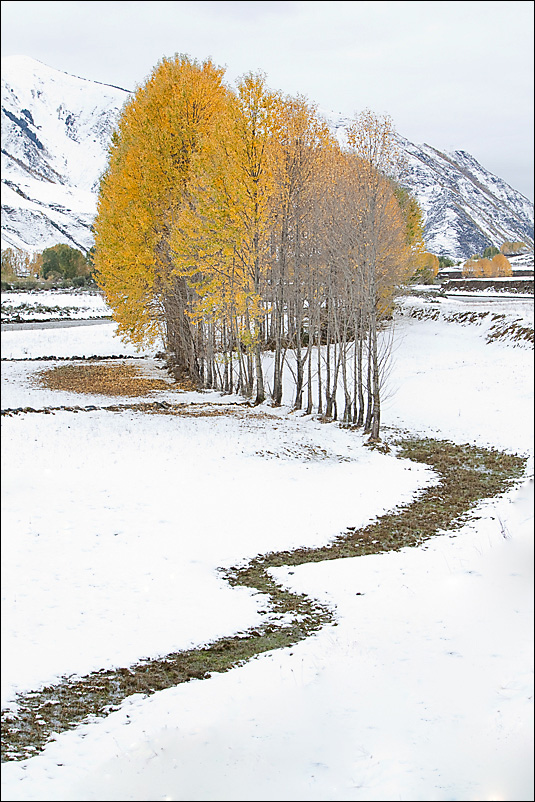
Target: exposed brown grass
96, 378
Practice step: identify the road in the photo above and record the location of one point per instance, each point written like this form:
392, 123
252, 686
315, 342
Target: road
53, 324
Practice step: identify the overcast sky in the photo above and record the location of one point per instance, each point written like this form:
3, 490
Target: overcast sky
455, 75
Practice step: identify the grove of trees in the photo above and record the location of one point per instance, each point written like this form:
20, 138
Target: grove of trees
509, 248
63, 261
16, 263
483, 267
231, 222
60, 262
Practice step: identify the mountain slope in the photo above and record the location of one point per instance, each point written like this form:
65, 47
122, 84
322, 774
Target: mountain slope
467, 208
55, 133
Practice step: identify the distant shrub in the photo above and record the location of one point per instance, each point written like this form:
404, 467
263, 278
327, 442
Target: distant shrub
426, 268
28, 284
513, 248
472, 268
83, 281
491, 251
64, 261
501, 265
486, 268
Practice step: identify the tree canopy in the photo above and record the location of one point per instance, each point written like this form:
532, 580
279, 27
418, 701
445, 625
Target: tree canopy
64, 261
230, 221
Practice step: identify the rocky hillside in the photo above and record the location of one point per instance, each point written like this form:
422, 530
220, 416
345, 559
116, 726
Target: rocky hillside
55, 131
466, 207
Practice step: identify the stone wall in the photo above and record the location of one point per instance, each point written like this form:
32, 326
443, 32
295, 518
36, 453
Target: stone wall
524, 285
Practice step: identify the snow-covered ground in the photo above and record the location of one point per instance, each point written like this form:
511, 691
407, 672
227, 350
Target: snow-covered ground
53, 305
114, 524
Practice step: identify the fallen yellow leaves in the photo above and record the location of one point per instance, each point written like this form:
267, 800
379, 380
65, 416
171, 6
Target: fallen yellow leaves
117, 379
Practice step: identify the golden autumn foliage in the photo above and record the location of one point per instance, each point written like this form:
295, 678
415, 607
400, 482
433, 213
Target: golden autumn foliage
485, 266
426, 267
161, 132
498, 266
219, 239
230, 221
512, 248
471, 269
414, 217
501, 265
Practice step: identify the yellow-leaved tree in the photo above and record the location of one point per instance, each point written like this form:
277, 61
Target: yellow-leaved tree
472, 268
161, 133
498, 266
221, 243
426, 267
423, 265
231, 222
414, 217
501, 265
384, 250
301, 142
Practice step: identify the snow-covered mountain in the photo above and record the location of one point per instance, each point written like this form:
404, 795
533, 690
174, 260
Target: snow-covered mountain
466, 207
55, 132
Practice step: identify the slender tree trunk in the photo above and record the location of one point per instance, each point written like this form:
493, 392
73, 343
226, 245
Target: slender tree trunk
359, 396
369, 389
309, 377
376, 411
260, 393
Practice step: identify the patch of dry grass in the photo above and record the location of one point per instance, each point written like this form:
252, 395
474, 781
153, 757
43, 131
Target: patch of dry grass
95, 378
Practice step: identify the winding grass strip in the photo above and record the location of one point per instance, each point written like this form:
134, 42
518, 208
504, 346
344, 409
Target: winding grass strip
186, 408
468, 474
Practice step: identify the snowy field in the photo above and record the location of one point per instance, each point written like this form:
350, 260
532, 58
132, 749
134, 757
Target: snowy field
53, 304
114, 525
